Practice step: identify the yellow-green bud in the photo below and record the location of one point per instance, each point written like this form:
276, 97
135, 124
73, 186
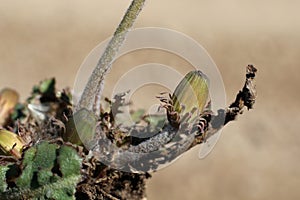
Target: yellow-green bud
11, 143
192, 92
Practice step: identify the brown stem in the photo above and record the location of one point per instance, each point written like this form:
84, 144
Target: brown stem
245, 98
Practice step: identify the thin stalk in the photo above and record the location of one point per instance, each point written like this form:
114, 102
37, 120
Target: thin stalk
90, 98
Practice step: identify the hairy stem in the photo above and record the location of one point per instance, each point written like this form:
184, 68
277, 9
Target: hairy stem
213, 121
154, 148
90, 98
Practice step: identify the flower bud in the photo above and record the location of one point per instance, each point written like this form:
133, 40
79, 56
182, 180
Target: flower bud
11, 143
8, 100
191, 93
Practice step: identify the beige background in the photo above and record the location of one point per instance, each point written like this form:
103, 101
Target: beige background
257, 157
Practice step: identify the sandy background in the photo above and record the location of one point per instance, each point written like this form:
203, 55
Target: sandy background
257, 157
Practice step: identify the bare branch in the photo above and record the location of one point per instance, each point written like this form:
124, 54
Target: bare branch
245, 98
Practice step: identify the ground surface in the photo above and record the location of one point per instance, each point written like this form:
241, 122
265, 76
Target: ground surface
257, 157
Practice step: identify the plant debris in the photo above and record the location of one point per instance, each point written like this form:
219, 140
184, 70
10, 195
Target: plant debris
45, 158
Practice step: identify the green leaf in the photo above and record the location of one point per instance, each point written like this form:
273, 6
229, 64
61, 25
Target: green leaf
47, 86
69, 161
3, 184
49, 171
136, 116
38, 160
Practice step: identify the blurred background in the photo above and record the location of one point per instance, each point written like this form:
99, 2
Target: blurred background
257, 157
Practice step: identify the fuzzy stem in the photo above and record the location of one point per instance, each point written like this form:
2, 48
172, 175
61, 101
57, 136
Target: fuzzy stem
92, 92
156, 145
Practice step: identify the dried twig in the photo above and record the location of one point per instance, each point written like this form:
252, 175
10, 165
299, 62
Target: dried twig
245, 98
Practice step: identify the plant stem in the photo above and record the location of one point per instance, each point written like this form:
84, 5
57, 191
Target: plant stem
90, 98
149, 153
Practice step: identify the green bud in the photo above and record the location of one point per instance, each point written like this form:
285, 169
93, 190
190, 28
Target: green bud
80, 129
192, 92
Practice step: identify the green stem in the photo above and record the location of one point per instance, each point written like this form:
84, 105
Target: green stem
90, 98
